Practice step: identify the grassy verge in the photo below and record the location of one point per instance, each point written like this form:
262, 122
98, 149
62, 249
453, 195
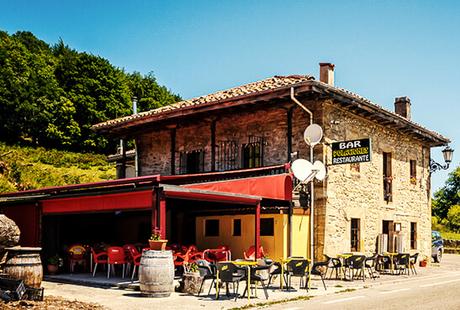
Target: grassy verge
24, 168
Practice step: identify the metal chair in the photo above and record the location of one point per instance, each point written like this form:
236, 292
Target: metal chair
355, 265
98, 258
115, 256
413, 263
296, 268
402, 263
230, 273
207, 272
316, 270
370, 264
334, 264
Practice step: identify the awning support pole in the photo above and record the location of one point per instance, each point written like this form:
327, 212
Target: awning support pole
257, 231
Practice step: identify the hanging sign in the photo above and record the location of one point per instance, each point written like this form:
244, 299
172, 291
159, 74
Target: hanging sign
351, 151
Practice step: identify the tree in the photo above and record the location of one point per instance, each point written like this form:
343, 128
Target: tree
447, 196
453, 216
51, 96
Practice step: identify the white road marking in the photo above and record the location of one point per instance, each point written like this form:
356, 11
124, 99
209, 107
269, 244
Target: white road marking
395, 291
439, 283
342, 300
293, 308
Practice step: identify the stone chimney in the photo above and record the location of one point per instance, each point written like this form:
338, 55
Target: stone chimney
402, 106
326, 73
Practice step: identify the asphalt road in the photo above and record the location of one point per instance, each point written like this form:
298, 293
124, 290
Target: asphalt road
439, 290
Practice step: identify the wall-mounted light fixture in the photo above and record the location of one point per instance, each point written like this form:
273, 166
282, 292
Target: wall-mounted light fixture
447, 154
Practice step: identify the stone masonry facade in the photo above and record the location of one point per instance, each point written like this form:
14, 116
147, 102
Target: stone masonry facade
349, 191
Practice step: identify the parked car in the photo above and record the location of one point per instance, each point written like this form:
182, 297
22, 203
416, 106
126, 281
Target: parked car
437, 246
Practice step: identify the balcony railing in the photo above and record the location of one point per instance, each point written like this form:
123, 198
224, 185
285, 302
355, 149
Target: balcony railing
224, 175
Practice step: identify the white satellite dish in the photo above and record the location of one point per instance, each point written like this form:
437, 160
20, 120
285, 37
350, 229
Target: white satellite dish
320, 170
313, 134
302, 169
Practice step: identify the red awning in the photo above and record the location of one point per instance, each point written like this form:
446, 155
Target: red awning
136, 200
271, 187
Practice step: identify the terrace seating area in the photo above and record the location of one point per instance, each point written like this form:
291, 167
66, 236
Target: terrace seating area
221, 276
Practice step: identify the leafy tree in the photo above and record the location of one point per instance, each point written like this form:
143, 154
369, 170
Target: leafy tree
51, 96
447, 196
453, 216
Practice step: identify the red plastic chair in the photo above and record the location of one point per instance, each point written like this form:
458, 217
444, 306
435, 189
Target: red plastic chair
221, 254
134, 257
116, 256
98, 258
76, 256
251, 253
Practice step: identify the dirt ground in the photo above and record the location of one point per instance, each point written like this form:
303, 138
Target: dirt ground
51, 302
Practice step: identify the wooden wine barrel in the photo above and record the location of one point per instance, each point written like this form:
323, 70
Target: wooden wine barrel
24, 264
156, 273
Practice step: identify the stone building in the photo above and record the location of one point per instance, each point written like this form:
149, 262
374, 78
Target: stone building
261, 125
213, 171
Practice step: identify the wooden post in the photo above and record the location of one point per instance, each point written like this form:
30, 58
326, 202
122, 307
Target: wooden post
289, 133
257, 231
173, 151
163, 216
213, 145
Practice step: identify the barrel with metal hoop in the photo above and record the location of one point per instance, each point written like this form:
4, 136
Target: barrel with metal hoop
156, 273
24, 263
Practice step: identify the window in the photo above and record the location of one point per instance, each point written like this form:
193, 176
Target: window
413, 171
387, 177
267, 227
355, 235
192, 162
227, 153
253, 153
413, 235
237, 227
211, 228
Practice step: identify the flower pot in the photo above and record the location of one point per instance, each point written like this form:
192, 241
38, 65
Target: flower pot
192, 282
52, 269
422, 263
158, 245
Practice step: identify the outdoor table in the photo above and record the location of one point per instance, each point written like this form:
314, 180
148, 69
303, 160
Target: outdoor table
284, 261
247, 264
391, 256
342, 257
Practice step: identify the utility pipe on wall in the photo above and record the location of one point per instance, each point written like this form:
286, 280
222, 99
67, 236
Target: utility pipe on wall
312, 186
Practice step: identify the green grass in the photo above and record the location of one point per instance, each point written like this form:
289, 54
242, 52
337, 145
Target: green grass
24, 168
271, 303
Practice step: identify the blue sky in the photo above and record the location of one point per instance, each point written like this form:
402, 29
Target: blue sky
381, 49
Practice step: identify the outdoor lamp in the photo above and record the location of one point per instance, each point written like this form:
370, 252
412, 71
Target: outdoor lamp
447, 154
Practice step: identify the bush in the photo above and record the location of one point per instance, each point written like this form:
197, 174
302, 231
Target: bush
453, 216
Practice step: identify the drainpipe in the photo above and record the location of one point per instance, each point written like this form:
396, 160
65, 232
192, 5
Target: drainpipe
136, 159
312, 186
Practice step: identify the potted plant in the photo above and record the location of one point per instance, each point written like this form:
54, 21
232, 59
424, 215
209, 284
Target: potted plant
191, 278
424, 261
155, 241
54, 263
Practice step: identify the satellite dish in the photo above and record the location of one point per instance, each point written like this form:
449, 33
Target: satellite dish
321, 170
302, 169
313, 134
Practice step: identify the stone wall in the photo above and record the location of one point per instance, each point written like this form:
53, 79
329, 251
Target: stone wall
349, 191
357, 191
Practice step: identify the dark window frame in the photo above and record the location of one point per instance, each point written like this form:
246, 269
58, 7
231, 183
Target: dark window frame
252, 153
267, 227
236, 229
355, 234
192, 161
413, 171
209, 231
413, 235
387, 177
227, 155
